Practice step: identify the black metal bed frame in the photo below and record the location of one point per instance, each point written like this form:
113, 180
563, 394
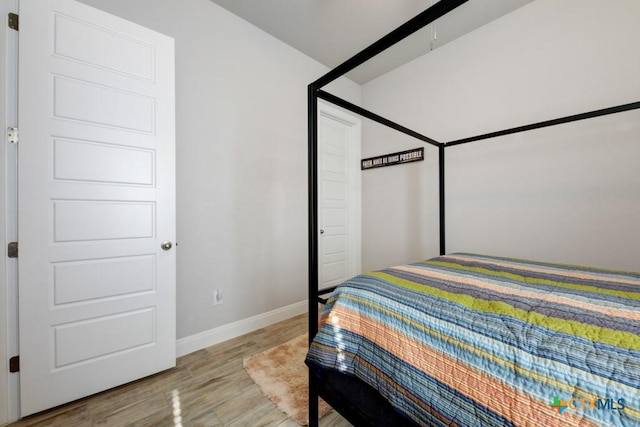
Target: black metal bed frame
315, 92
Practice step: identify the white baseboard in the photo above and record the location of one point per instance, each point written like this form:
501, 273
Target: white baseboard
217, 335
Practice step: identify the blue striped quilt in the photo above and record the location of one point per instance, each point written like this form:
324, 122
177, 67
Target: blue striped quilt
470, 340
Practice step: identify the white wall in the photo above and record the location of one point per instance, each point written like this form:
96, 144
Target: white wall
566, 193
399, 203
241, 160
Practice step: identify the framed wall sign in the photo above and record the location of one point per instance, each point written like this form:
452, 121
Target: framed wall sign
414, 155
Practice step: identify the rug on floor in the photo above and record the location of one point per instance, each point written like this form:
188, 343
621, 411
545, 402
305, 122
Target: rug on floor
282, 376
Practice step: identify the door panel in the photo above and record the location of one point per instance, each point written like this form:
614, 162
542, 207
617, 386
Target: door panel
96, 199
101, 336
76, 221
74, 99
109, 49
107, 163
109, 277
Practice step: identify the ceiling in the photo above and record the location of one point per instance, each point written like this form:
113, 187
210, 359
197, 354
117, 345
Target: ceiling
332, 31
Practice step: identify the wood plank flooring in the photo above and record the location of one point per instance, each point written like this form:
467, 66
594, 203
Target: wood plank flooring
206, 388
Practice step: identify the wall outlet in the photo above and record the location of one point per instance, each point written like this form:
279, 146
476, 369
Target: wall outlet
217, 297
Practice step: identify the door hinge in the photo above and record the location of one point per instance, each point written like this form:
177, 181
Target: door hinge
12, 135
14, 21
12, 250
14, 364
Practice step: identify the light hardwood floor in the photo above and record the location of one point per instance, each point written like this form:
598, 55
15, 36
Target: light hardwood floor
210, 387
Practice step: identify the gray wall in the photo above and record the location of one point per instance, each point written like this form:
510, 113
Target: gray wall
568, 193
241, 160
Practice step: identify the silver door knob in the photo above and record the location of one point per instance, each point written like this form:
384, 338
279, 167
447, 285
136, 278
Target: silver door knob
321, 231
166, 245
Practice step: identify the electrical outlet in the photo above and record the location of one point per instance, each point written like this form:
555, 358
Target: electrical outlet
217, 297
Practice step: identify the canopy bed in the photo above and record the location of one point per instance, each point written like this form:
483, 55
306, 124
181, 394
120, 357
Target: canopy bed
467, 339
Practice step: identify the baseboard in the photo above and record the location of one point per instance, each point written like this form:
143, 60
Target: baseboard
217, 335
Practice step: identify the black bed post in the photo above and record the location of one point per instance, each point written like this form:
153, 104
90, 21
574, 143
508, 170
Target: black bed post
441, 163
313, 91
312, 99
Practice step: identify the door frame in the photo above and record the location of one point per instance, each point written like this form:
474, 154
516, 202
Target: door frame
355, 185
9, 383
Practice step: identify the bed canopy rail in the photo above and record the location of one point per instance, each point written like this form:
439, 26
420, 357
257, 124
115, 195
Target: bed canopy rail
405, 30
567, 119
315, 92
375, 117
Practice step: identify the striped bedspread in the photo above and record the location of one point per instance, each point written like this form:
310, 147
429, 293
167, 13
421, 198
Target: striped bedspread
472, 340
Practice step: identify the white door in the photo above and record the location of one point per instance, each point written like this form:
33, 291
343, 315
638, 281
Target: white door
96, 197
339, 203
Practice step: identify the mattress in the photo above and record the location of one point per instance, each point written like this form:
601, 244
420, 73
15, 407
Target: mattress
473, 340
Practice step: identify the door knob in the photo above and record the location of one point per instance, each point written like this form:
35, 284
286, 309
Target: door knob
166, 245
321, 231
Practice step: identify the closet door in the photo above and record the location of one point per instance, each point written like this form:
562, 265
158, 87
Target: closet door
96, 200
339, 199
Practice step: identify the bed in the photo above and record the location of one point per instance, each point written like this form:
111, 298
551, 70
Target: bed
472, 340
466, 339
